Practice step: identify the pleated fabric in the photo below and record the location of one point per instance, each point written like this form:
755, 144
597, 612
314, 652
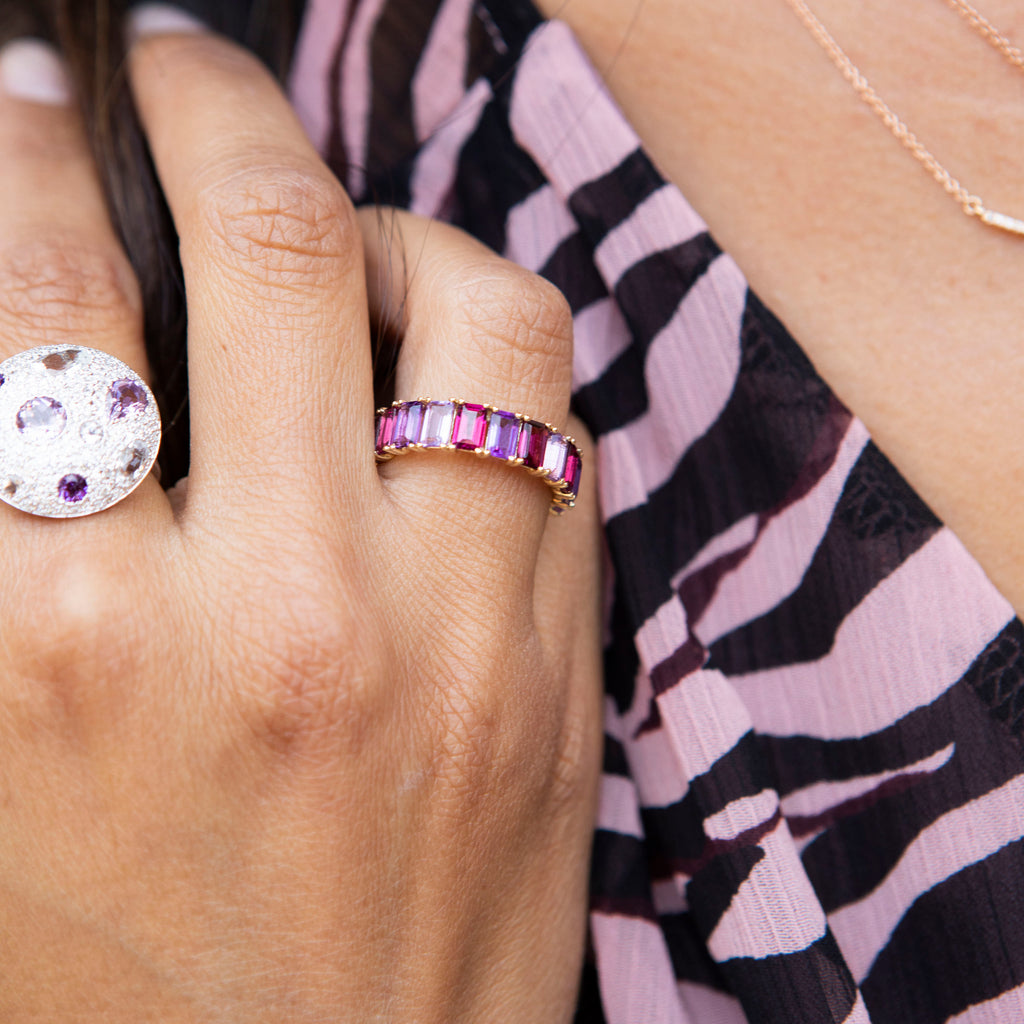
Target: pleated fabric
812, 789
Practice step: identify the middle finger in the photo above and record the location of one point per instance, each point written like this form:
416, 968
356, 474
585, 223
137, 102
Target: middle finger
279, 360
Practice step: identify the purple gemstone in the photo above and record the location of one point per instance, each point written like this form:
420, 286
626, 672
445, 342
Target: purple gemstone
386, 429
532, 436
72, 488
573, 469
407, 424
555, 453
2, 379
502, 435
126, 396
41, 417
60, 360
438, 418
470, 427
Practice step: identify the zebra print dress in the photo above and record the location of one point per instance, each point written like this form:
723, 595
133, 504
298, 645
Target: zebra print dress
812, 788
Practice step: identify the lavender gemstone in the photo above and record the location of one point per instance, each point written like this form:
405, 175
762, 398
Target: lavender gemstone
532, 436
407, 426
555, 453
126, 396
470, 427
502, 435
41, 417
72, 488
60, 360
438, 419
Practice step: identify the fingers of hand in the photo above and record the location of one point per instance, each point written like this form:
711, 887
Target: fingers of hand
278, 352
478, 328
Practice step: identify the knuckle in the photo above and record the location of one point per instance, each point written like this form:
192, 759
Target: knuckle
72, 637
285, 226
523, 321
54, 285
466, 735
313, 688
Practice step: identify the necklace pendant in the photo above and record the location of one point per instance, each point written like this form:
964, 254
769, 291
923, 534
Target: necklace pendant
1001, 221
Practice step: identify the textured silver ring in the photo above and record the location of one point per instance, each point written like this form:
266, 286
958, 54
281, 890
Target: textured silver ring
79, 431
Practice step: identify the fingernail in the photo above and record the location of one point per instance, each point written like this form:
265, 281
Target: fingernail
156, 19
32, 70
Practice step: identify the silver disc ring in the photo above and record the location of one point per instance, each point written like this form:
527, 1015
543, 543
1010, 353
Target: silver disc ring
79, 431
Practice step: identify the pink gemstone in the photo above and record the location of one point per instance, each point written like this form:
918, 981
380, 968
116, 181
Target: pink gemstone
386, 429
470, 427
408, 424
555, 453
532, 436
573, 467
438, 418
502, 435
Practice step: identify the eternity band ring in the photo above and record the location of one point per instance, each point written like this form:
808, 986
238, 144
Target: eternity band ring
79, 431
485, 430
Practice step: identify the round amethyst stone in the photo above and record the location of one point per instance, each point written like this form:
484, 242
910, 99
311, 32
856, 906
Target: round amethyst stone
72, 487
126, 396
41, 417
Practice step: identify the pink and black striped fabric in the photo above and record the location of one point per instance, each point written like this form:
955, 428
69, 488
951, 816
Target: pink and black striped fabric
813, 780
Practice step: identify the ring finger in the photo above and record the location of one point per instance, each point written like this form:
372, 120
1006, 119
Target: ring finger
479, 328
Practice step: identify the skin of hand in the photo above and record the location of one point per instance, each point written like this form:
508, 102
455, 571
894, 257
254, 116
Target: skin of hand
306, 739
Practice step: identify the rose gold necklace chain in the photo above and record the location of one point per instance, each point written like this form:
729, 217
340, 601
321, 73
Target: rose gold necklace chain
971, 204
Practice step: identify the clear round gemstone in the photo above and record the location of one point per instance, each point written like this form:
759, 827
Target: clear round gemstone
91, 432
126, 396
131, 460
41, 417
60, 360
72, 487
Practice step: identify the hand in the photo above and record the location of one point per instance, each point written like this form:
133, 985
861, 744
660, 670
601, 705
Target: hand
308, 740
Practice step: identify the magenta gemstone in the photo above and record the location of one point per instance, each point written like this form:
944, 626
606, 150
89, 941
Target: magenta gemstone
555, 452
532, 437
72, 488
408, 424
126, 396
502, 435
470, 427
438, 419
41, 417
573, 467
386, 428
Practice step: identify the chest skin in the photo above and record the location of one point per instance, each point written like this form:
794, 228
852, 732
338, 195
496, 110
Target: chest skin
911, 311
